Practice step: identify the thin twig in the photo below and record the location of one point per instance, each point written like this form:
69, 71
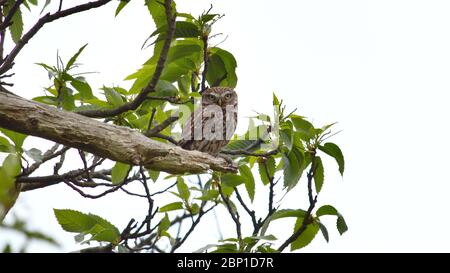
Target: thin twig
9, 60
234, 214
251, 213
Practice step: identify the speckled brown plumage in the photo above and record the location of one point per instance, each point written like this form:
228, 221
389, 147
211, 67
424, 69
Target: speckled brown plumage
212, 124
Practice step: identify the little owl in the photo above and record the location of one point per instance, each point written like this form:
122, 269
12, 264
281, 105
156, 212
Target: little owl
211, 126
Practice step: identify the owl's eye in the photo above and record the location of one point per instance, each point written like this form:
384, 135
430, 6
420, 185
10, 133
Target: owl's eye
211, 97
228, 96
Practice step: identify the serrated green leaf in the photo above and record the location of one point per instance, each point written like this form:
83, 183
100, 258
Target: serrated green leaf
292, 167
326, 210
171, 206
157, 11
221, 68
16, 28
334, 151
306, 237
73, 221
341, 225
303, 127
119, 172
249, 180
318, 174
263, 172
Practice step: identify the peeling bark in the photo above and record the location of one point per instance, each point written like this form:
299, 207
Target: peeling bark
106, 140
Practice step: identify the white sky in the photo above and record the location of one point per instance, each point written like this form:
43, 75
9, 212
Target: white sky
379, 68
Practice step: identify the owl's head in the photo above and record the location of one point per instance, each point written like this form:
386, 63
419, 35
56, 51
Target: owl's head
222, 96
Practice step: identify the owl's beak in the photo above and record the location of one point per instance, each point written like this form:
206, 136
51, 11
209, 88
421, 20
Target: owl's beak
219, 102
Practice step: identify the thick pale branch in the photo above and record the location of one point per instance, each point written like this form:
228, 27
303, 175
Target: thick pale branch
105, 140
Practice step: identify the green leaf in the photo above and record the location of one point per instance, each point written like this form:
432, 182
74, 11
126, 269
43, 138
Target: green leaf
164, 225
35, 154
47, 100
5, 146
183, 189
249, 180
209, 195
330, 210
324, 231
306, 237
119, 172
157, 11
122, 4
303, 127
73, 59
232, 180
318, 174
15, 137
221, 68
334, 151
241, 144
153, 175
269, 237
275, 101
288, 213
83, 87
113, 97
16, 28
102, 234
47, 2
183, 29
341, 224
326, 210
12, 165
75, 221
165, 89
67, 99
292, 167
263, 172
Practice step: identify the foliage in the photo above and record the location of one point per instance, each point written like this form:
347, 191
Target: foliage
278, 147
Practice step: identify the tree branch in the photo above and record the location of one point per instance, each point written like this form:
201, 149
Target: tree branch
7, 22
104, 140
312, 202
234, 214
9, 60
142, 96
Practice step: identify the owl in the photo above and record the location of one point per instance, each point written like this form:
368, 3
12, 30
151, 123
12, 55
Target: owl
211, 126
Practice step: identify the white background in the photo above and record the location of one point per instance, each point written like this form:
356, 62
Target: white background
379, 68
